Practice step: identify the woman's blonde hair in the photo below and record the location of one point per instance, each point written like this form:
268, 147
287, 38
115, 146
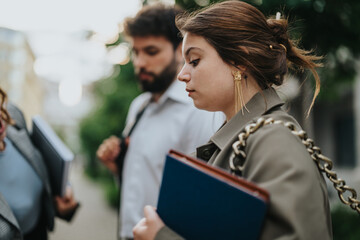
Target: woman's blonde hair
4, 113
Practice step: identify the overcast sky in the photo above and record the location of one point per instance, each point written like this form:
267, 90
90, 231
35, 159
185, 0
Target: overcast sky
65, 15
56, 32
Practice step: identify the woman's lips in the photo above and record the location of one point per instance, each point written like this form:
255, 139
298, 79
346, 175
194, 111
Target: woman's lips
190, 91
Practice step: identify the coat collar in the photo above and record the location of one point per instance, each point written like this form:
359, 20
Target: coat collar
258, 105
6, 213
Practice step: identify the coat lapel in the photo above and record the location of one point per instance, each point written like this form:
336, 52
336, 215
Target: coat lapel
6, 213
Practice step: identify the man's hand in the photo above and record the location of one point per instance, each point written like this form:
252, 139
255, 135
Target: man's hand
67, 204
148, 227
108, 152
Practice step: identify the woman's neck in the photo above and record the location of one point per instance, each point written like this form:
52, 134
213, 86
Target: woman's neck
249, 89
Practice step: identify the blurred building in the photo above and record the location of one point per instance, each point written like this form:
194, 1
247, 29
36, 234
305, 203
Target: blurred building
17, 76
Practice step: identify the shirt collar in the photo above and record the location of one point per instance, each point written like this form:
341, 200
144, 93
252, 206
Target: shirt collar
176, 92
258, 105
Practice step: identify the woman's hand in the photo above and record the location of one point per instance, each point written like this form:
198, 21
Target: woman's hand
67, 204
147, 228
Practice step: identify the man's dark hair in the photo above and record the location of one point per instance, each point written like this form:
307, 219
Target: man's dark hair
155, 20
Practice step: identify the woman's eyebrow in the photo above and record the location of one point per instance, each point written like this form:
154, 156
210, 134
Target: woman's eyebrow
190, 49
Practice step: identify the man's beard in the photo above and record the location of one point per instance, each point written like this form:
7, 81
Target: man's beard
160, 82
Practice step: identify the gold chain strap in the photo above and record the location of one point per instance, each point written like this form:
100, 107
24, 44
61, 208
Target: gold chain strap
325, 165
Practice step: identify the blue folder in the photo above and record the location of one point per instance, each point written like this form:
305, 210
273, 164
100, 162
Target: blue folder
199, 201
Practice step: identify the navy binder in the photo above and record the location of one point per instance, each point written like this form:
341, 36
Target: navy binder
56, 154
199, 201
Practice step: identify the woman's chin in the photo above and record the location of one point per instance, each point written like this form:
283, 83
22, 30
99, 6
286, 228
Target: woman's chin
201, 106
197, 105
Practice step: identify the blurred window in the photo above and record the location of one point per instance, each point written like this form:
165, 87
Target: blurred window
345, 140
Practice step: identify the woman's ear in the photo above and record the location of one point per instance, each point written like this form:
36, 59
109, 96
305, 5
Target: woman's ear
241, 68
236, 67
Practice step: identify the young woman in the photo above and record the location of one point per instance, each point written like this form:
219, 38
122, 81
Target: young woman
27, 207
233, 58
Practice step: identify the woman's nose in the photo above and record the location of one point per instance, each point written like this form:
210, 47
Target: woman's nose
183, 75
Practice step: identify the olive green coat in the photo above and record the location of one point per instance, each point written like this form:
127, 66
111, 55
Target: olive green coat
278, 162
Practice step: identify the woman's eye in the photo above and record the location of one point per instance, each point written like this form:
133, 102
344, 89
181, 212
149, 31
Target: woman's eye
194, 62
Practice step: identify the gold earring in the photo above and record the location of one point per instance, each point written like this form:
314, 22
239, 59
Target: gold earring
237, 76
239, 99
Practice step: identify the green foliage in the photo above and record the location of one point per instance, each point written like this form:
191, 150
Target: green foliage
112, 193
114, 96
194, 5
346, 223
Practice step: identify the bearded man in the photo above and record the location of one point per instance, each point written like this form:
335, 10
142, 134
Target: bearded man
168, 118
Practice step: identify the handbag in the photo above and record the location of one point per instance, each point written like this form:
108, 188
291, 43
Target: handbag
347, 195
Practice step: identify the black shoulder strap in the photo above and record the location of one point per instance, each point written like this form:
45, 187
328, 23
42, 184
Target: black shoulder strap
123, 145
137, 118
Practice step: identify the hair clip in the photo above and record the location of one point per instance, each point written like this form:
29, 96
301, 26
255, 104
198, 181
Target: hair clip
270, 46
278, 15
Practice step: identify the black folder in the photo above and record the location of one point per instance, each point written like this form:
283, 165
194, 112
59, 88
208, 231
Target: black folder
56, 154
199, 201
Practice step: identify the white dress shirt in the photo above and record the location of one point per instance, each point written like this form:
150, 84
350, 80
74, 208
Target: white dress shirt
171, 123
